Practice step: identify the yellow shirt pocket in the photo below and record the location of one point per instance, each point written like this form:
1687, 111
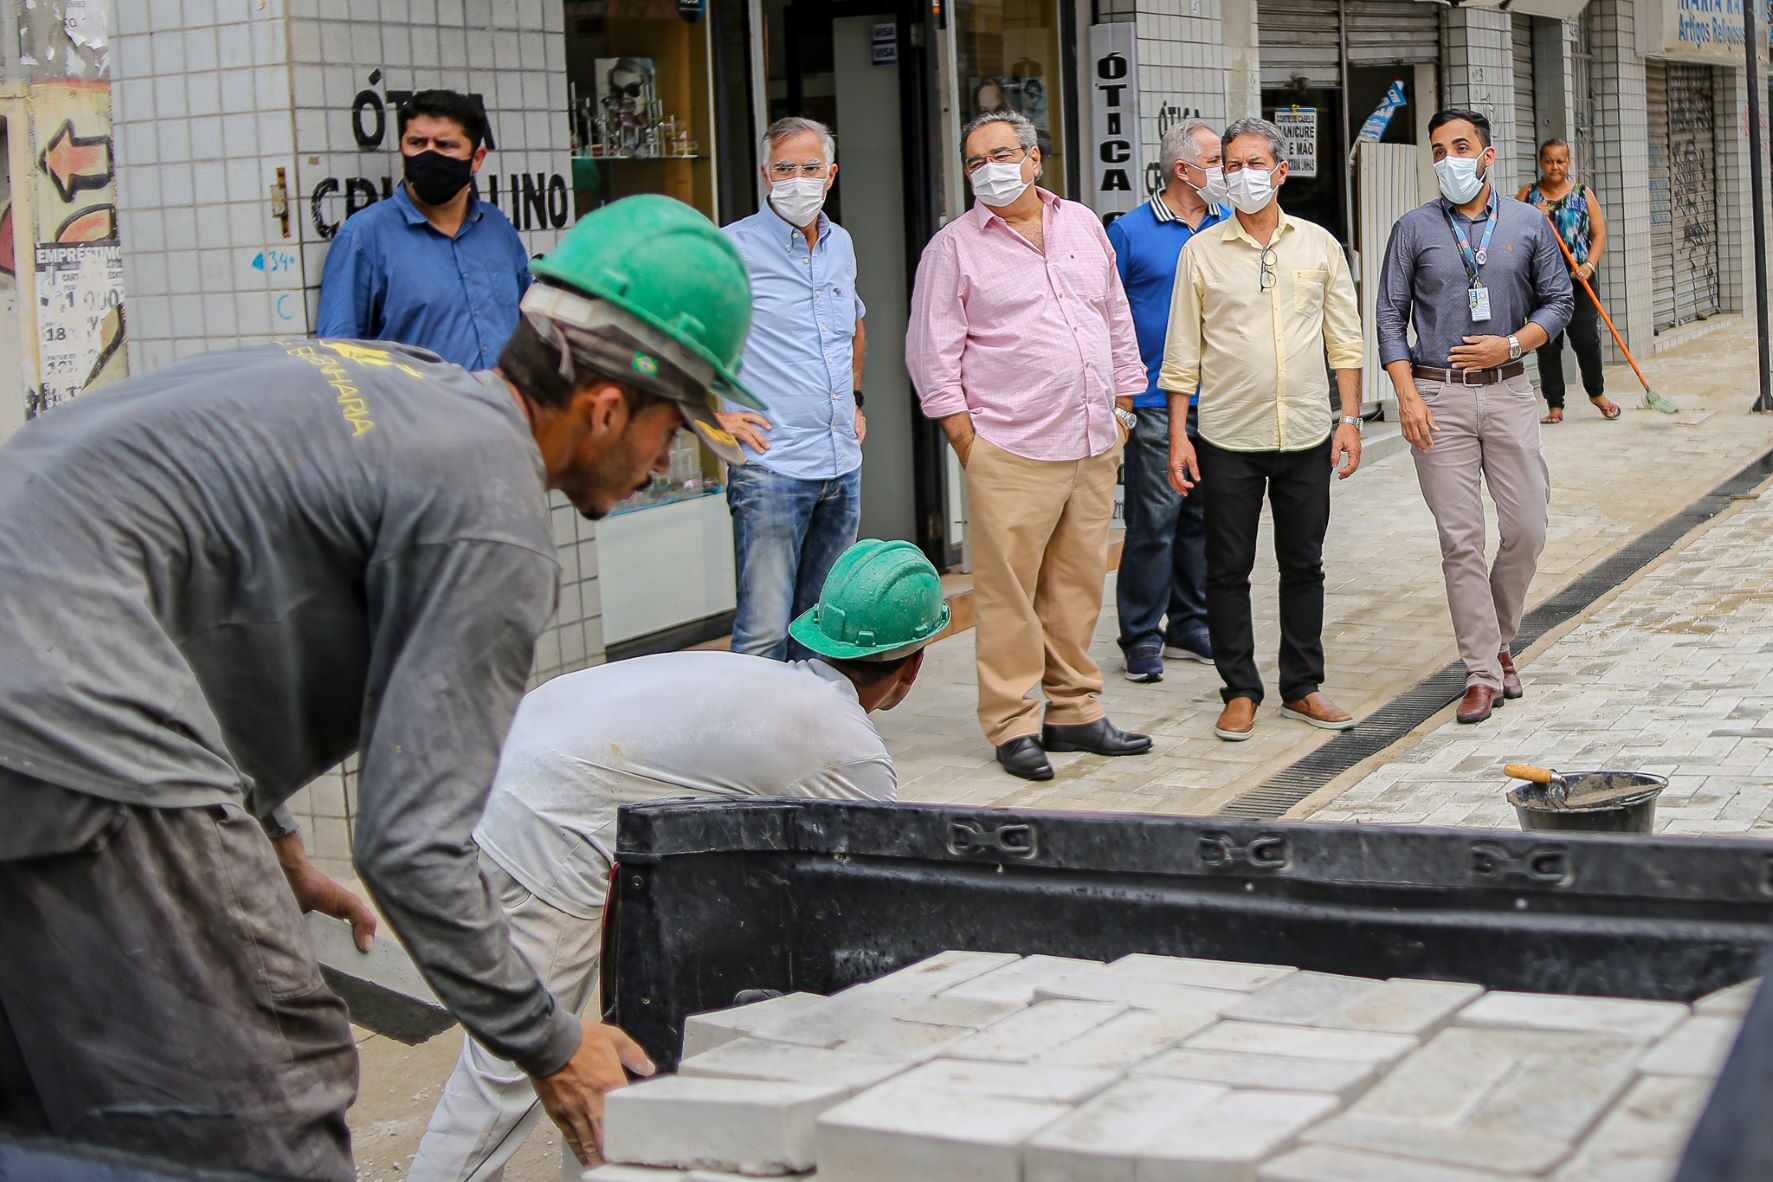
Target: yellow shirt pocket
1308, 291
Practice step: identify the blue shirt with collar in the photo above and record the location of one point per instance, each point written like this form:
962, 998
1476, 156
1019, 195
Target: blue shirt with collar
798, 358
1148, 243
393, 276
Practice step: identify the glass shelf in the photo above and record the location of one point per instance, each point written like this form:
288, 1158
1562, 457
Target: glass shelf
646, 500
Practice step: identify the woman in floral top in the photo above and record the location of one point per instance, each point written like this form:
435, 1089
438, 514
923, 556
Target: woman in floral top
1576, 212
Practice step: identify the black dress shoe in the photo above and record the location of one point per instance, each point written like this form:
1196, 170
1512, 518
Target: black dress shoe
1024, 757
1100, 737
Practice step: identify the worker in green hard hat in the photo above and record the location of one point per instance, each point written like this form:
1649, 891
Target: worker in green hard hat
225, 577
708, 725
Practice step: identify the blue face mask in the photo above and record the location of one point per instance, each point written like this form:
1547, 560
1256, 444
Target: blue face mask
1458, 177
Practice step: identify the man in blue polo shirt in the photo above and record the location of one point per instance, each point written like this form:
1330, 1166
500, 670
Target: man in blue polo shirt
1163, 562
797, 501
432, 266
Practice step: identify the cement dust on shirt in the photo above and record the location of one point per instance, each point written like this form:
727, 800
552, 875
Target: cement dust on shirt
705, 725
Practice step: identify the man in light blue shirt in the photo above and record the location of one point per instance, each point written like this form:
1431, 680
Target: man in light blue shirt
797, 501
432, 266
1161, 591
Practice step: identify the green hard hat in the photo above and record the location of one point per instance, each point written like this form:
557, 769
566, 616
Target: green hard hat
672, 269
882, 600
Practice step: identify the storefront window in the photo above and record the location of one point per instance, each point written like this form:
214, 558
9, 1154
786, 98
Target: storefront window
1007, 59
641, 107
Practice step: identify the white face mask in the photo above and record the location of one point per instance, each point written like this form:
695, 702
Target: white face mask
1458, 177
1250, 190
998, 185
798, 199
1214, 191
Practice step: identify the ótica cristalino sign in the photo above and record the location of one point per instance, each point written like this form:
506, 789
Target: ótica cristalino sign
1114, 84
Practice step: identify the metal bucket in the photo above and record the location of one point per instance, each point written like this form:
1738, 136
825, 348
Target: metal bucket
1597, 802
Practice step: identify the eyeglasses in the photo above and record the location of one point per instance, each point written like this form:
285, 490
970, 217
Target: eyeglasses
1269, 258
1000, 156
812, 168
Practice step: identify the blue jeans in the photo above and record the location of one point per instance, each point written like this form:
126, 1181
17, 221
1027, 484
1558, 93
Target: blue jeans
786, 535
1163, 561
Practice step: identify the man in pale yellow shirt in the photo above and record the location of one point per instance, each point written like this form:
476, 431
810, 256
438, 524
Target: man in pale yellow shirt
1258, 302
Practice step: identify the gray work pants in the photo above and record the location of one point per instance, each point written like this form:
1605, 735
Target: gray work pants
1485, 436
159, 995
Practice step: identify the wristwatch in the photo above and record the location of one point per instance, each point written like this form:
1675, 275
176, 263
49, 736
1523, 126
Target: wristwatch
1351, 421
858, 400
1514, 347
1127, 418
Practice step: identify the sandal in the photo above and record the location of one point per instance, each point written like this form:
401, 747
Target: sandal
1554, 415
1609, 410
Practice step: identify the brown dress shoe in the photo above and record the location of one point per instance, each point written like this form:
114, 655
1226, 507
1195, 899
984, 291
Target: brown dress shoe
1511, 681
1320, 712
1236, 721
1477, 703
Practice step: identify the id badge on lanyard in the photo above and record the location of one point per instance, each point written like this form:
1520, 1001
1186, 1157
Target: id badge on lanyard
1478, 296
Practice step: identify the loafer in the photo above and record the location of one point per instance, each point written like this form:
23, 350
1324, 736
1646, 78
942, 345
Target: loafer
1024, 757
1237, 721
1511, 680
1195, 648
1478, 702
1317, 710
1099, 738
1143, 667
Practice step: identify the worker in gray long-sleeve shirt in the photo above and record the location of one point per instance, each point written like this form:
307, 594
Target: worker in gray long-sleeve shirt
218, 580
1484, 279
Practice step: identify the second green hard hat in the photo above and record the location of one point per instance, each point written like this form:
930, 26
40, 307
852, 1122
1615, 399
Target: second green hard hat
881, 600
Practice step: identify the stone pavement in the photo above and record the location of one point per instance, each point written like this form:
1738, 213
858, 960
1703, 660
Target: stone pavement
1386, 622
1674, 676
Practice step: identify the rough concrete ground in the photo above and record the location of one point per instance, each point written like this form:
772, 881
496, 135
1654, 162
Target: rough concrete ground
1386, 626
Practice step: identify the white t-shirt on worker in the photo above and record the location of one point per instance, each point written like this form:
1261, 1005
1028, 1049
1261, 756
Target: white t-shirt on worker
689, 724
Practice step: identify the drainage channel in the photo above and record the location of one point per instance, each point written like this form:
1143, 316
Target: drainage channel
1416, 705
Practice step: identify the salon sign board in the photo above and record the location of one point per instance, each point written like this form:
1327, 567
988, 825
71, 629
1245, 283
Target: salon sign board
1117, 175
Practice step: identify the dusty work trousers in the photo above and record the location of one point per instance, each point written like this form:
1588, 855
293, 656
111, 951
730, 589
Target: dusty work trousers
159, 995
1039, 530
1488, 432
488, 1107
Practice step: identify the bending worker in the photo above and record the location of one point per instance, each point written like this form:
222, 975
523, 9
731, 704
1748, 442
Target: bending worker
222, 578
697, 724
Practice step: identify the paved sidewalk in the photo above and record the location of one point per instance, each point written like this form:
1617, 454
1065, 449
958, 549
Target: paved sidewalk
1386, 622
1674, 676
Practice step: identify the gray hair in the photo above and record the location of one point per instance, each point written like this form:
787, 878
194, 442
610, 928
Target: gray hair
1277, 140
1180, 144
1026, 133
788, 128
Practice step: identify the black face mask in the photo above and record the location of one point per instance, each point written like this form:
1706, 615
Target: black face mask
435, 178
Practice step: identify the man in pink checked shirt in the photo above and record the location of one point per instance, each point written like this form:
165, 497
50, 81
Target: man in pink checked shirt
1021, 344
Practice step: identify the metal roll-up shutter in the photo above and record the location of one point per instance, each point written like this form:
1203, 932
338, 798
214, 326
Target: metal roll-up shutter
1693, 196
1661, 215
1526, 123
1298, 38
1392, 32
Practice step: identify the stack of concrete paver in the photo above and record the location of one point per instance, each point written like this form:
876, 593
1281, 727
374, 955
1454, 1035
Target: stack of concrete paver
996, 1068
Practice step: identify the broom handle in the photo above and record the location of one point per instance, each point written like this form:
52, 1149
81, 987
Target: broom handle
1565, 247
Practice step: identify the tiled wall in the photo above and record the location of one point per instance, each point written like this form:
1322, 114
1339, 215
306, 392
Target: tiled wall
1621, 167
1736, 275
1181, 65
1477, 48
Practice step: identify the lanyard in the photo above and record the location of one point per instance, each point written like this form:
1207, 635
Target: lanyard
1474, 259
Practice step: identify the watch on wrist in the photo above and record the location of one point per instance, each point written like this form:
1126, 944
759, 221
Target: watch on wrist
1127, 418
858, 399
1514, 347
1352, 421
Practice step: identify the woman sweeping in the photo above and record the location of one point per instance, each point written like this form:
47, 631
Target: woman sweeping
1576, 212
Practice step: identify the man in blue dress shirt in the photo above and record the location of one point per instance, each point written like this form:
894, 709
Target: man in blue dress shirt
797, 500
1163, 562
433, 266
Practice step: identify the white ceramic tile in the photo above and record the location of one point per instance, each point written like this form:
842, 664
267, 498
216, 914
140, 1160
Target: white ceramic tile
269, 42
200, 48
168, 51
181, 236
215, 265
182, 277
250, 223
144, 273
169, 97
149, 317
304, 41
450, 14
131, 19
452, 47
138, 188
209, 183
206, 137
272, 86
203, 93
174, 140
253, 312
200, 12
243, 179
233, 44
177, 189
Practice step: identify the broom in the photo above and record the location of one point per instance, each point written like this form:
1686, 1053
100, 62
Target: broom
1652, 399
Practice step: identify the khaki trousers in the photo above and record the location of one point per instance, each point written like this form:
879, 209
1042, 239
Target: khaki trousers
1040, 554
1492, 431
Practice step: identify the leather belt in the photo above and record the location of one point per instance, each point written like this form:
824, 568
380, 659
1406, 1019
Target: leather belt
1471, 377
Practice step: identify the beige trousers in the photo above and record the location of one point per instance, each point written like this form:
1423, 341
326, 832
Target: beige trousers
1040, 554
1492, 432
